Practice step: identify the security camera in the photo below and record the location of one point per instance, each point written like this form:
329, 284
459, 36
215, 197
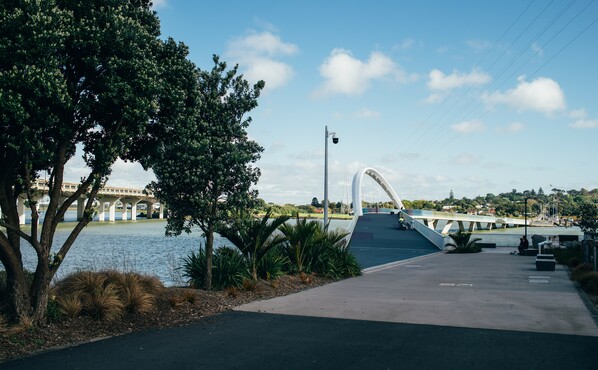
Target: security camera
334, 139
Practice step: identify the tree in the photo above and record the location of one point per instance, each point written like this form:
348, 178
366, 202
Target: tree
204, 165
72, 73
588, 214
254, 237
315, 202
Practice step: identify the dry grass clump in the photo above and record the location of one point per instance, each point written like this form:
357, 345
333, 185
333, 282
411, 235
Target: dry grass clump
70, 305
231, 291
249, 285
106, 295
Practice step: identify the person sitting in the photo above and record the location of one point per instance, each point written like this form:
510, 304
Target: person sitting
523, 245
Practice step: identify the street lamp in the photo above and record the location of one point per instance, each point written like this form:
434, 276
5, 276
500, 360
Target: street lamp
335, 141
525, 215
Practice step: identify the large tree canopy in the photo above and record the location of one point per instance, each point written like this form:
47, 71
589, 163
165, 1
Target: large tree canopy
204, 165
89, 74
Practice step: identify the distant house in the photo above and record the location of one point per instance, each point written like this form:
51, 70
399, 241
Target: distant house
319, 210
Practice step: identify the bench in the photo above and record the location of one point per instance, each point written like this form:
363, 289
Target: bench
545, 262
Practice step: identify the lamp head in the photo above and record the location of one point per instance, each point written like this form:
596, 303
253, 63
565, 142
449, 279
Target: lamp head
334, 139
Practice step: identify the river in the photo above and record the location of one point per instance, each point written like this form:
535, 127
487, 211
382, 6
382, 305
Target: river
139, 246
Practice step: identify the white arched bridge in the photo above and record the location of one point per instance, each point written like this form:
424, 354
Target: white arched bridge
433, 226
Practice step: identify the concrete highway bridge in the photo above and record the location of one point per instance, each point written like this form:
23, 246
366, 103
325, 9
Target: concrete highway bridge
378, 234
106, 201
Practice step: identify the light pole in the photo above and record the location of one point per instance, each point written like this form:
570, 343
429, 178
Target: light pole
525, 215
335, 141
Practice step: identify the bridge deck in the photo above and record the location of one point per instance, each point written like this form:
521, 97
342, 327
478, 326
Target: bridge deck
377, 240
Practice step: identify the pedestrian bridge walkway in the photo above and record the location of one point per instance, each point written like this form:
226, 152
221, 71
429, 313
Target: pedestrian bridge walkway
432, 226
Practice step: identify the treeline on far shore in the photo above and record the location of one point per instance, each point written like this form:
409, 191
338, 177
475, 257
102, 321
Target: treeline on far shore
562, 203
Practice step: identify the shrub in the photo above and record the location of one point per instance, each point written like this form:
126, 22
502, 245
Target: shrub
106, 295
340, 263
589, 281
131, 292
574, 262
580, 271
273, 265
249, 285
70, 305
229, 268
564, 255
53, 312
463, 244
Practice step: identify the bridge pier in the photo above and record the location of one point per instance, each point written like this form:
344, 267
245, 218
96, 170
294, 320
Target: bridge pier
21, 210
80, 208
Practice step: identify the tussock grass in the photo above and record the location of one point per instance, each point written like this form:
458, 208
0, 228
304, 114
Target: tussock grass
107, 295
70, 305
102, 303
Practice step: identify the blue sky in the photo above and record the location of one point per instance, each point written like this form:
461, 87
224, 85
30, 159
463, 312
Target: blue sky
471, 96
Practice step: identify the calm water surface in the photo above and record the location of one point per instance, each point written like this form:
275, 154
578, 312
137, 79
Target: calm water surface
139, 246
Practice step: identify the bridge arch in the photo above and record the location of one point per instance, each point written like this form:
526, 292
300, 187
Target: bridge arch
358, 181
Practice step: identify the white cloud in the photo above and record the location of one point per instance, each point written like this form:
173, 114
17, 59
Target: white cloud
440, 81
578, 113
466, 159
442, 84
542, 95
479, 45
537, 49
443, 49
258, 54
583, 123
405, 44
366, 113
345, 74
511, 127
467, 127
159, 3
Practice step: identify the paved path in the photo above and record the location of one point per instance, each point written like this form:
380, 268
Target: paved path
483, 290
436, 312
377, 240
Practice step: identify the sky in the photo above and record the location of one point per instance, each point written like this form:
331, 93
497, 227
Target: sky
472, 96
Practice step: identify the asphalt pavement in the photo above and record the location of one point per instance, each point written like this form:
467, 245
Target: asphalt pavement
489, 310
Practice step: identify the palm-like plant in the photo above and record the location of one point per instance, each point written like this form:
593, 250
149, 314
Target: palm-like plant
254, 237
462, 244
299, 238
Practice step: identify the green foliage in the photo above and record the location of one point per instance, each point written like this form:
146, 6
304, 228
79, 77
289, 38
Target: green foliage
588, 213
204, 167
310, 247
273, 265
462, 244
229, 268
254, 237
53, 312
565, 255
300, 239
89, 74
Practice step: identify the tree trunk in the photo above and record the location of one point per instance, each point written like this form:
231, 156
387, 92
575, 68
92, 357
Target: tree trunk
19, 301
254, 269
40, 290
209, 254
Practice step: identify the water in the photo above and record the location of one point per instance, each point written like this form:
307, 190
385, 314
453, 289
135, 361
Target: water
139, 246
510, 237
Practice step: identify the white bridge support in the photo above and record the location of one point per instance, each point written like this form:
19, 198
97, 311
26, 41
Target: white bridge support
110, 195
357, 193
